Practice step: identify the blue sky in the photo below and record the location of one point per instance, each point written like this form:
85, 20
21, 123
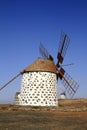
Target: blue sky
26, 23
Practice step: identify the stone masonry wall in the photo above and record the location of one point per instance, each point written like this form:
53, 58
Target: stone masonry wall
38, 89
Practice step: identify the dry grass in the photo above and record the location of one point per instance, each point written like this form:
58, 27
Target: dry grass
70, 115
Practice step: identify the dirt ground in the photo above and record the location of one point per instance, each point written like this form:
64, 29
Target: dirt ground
70, 115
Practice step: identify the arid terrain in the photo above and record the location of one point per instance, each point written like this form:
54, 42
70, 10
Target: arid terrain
70, 115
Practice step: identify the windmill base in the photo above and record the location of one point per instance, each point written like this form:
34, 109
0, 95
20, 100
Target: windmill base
38, 89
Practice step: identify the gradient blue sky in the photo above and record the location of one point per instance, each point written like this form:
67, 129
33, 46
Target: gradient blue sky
24, 23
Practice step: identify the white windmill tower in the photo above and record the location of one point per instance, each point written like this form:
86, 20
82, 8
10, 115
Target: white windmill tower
39, 84
39, 80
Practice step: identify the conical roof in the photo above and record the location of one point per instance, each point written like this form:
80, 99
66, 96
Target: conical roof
41, 65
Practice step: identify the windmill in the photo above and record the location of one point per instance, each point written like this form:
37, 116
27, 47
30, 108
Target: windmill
39, 79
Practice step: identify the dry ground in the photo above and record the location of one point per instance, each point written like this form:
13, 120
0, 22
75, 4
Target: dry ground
70, 115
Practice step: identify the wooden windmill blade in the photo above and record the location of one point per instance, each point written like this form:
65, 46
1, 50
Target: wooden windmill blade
64, 43
11, 80
69, 83
44, 52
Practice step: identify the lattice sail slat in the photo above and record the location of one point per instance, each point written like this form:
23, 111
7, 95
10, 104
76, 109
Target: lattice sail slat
70, 84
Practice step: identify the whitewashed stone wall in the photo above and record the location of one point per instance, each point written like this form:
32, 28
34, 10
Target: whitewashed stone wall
38, 89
